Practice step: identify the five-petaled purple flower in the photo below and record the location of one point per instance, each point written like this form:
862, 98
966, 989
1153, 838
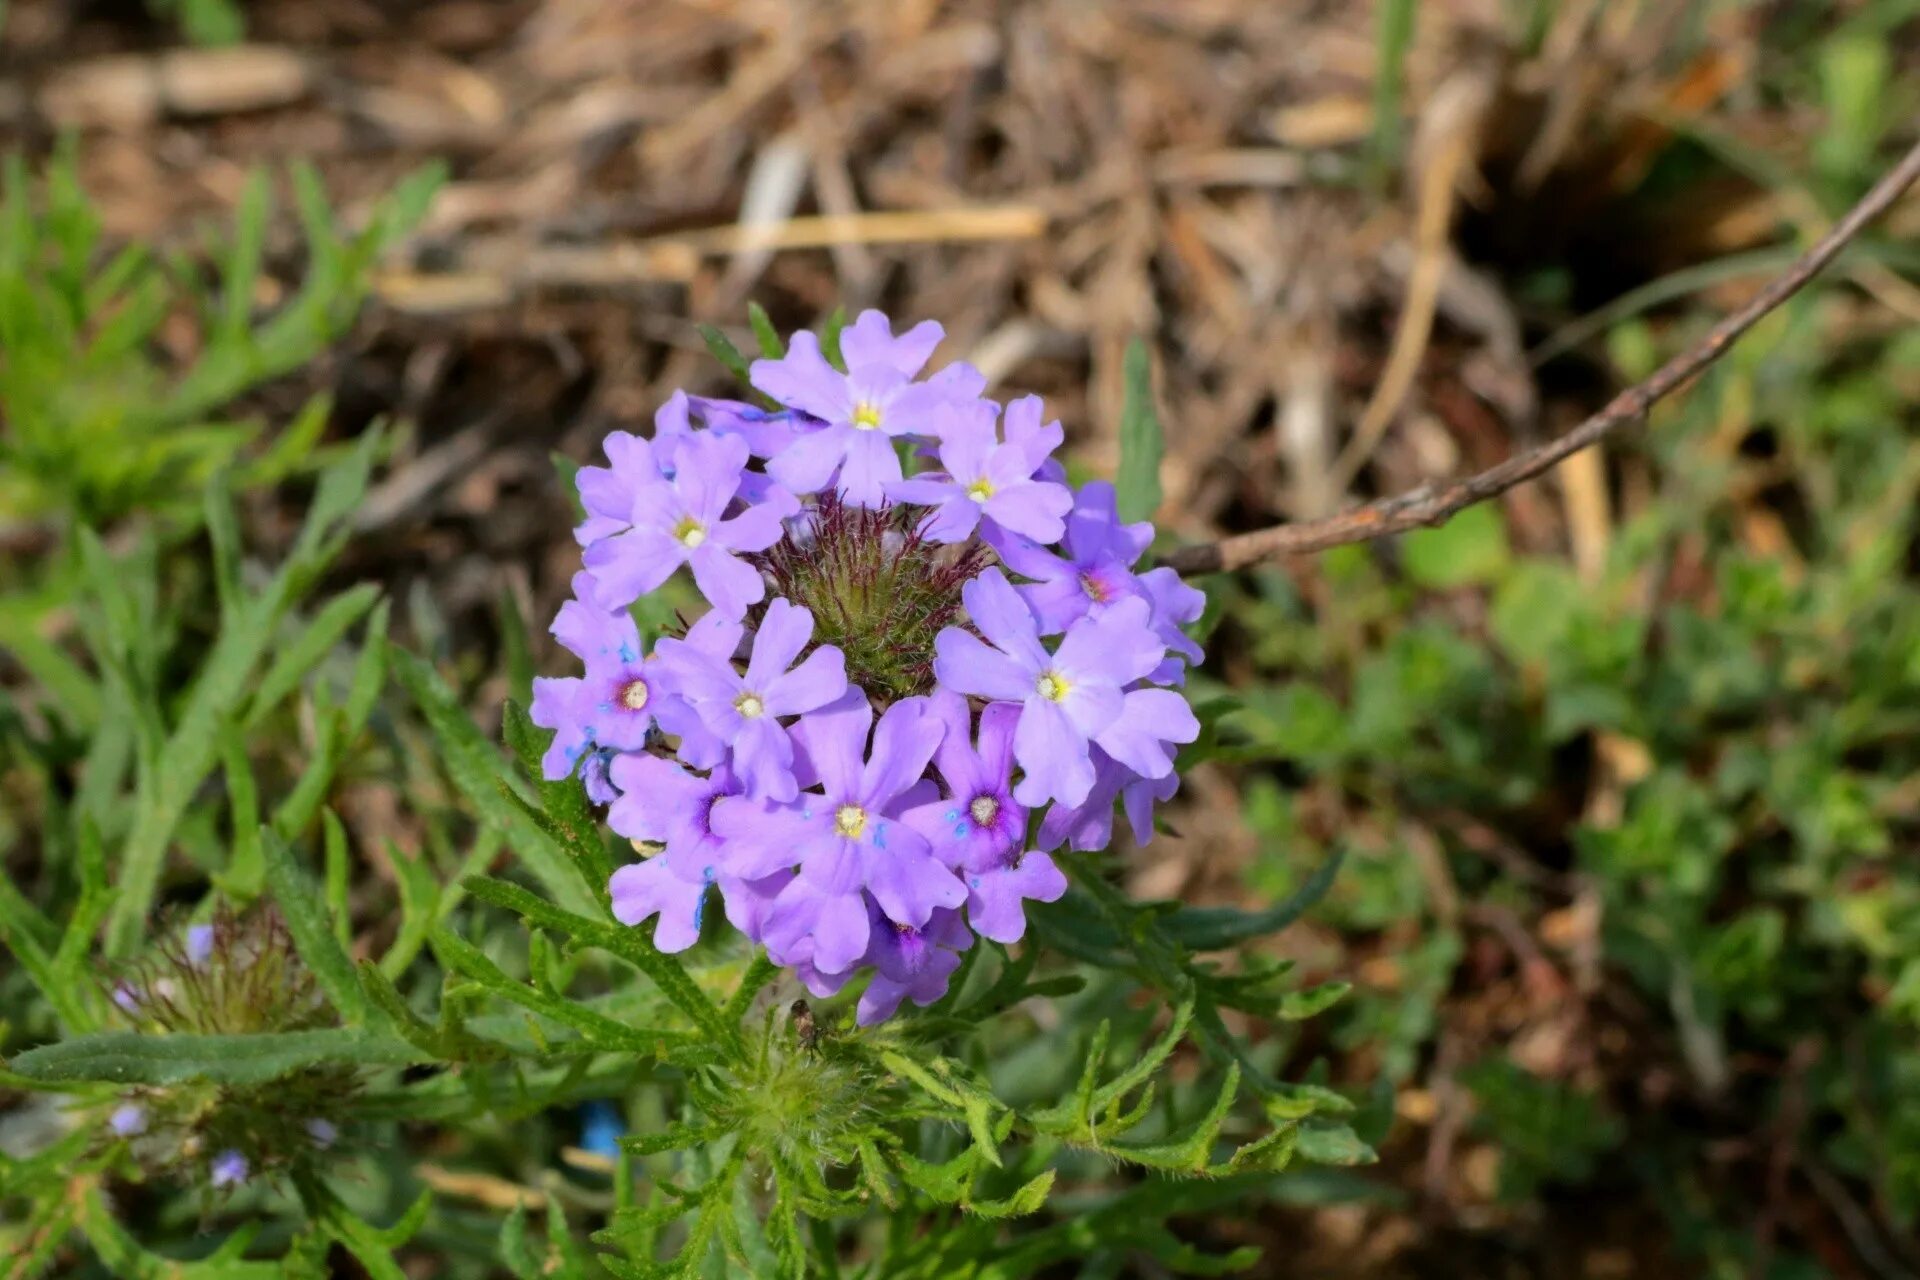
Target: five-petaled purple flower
1067, 698
846, 836
979, 829
684, 521
862, 410
985, 480
744, 711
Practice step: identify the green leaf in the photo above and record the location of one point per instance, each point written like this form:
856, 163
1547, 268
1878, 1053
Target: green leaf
313, 644
1467, 550
480, 773
723, 350
1138, 484
129, 1057
830, 339
1217, 928
764, 333
667, 972
313, 933
465, 958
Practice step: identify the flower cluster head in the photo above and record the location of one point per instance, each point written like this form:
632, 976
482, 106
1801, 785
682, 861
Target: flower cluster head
231, 975
927, 664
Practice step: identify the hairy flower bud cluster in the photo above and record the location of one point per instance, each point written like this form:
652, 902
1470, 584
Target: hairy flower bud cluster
911, 687
234, 975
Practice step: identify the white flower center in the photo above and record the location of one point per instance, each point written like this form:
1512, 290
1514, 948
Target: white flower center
849, 820
689, 532
984, 810
633, 695
866, 416
1052, 686
980, 490
750, 706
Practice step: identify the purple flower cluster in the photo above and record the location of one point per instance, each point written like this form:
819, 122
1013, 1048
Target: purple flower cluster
864, 802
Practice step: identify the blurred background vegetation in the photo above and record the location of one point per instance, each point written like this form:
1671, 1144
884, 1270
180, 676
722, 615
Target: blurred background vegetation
1623, 770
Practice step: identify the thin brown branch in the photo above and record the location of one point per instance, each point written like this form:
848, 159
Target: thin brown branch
1431, 505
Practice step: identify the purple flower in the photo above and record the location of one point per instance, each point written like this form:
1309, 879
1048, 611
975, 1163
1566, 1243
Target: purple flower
846, 836
985, 479
767, 431
1097, 569
125, 998
861, 410
229, 1169
323, 1132
1088, 826
663, 803
128, 1120
606, 493
910, 963
744, 711
199, 943
683, 521
617, 701
1067, 698
979, 829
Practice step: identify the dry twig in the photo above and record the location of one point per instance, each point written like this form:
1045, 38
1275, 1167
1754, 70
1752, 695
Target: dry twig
1428, 505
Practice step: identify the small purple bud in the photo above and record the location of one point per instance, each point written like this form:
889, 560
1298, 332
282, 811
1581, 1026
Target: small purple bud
126, 998
199, 943
323, 1132
229, 1169
129, 1119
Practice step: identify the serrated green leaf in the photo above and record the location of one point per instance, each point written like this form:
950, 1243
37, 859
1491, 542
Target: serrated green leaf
480, 773
128, 1057
313, 934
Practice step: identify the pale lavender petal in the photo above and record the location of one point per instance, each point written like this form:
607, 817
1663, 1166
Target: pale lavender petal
871, 466
1034, 510
730, 583
1149, 720
783, 633
807, 465
996, 901
1117, 647
999, 614
952, 521
869, 340
834, 740
924, 490
650, 888
763, 757
759, 526
802, 379
961, 662
631, 564
906, 879
815, 683
1052, 755
903, 742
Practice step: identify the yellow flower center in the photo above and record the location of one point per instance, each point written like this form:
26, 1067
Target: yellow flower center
633, 696
750, 706
984, 810
980, 490
849, 820
689, 532
1052, 686
866, 416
